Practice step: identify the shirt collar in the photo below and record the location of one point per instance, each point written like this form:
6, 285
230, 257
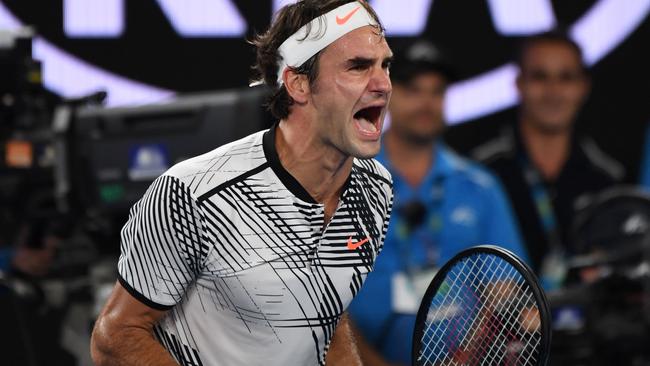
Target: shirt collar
576, 158
288, 180
445, 163
443, 166
285, 177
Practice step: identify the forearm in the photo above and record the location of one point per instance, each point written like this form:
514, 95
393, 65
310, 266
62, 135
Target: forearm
343, 350
369, 355
127, 346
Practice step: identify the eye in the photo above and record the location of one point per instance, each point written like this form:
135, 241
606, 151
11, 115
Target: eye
538, 75
569, 76
359, 67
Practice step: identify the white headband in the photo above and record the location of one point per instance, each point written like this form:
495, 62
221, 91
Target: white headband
300, 47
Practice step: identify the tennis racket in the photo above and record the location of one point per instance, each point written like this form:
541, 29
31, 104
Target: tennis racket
484, 307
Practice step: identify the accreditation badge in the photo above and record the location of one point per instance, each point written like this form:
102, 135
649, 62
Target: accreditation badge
408, 290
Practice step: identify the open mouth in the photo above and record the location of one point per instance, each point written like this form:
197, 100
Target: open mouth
368, 120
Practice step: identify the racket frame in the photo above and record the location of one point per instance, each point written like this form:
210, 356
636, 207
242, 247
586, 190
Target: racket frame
519, 265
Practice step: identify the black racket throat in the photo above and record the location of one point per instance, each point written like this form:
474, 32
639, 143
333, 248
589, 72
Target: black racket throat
515, 294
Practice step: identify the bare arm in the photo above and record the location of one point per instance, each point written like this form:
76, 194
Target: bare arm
369, 355
123, 333
343, 350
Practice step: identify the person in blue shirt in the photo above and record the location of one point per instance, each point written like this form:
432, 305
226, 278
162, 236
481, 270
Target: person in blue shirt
443, 204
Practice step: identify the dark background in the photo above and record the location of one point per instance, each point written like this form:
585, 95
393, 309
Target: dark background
151, 51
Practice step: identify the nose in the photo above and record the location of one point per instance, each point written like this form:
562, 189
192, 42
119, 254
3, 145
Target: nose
380, 82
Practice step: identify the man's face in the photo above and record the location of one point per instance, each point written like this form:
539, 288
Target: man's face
351, 92
552, 86
416, 108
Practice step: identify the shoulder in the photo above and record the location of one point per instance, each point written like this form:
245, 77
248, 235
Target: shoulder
470, 172
375, 179
498, 148
600, 160
204, 172
374, 170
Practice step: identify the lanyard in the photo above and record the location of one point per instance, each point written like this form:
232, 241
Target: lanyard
553, 270
420, 223
542, 201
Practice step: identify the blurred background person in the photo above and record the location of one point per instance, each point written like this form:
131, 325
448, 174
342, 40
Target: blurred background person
545, 167
443, 204
31, 226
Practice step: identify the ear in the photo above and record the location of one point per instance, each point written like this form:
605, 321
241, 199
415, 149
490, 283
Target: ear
297, 86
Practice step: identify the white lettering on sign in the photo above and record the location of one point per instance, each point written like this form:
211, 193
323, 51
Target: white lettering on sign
598, 31
204, 18
606, 25
189, 18
93, 18
278, 4
221, 18
404, 17
522, 17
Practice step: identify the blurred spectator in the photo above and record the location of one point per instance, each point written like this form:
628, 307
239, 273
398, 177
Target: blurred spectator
443, 204
544, 166
30, 228
34, 261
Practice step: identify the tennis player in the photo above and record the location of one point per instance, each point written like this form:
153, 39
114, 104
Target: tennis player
251, 253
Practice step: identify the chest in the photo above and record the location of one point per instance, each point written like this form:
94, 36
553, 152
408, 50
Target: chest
288, 234
438, 227
283, 256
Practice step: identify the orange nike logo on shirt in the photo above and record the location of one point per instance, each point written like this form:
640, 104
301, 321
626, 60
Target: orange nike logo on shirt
353, 246
341, 21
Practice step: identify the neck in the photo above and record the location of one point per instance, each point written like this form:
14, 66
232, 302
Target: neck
321, 169
411, 161
547, 151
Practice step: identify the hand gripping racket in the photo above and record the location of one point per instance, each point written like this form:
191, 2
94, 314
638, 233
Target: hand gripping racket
484, 307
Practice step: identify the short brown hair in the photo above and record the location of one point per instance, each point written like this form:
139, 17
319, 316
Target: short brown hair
288, 21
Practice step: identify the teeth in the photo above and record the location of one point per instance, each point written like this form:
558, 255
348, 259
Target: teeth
367, 126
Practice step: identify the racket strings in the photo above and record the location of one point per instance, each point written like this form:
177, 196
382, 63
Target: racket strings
484, 313
459, 295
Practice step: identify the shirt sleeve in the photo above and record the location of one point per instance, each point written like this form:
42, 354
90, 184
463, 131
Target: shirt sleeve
501, 226
162, 252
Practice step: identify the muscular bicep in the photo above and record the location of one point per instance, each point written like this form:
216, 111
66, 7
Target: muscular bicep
123, 333
123, 311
